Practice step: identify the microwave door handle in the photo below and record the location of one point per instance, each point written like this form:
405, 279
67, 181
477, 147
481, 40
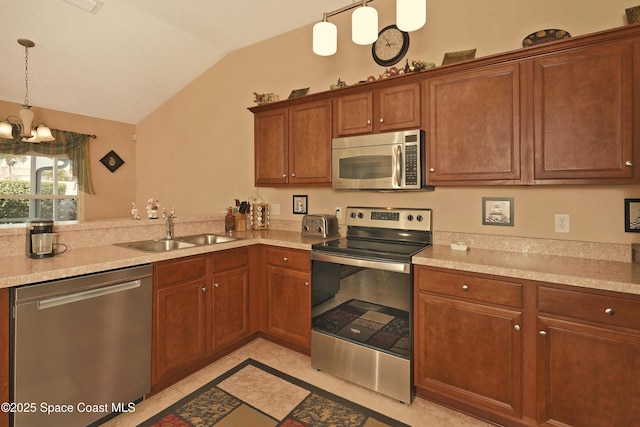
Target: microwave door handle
399, 166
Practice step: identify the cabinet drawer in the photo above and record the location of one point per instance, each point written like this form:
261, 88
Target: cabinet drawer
470, 287
232, 258
289, 258
181, 270
583, 305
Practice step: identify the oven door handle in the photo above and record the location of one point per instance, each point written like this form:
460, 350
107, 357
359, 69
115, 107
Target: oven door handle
398, 267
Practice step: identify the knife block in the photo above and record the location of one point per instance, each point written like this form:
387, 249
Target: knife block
259, 216
241, 222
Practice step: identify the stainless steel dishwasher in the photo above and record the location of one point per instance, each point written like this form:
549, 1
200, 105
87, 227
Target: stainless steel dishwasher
81, 347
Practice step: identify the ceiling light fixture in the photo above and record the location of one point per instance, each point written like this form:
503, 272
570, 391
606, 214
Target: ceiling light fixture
364, 24
27, 132
325, 38
91, 6
410, 14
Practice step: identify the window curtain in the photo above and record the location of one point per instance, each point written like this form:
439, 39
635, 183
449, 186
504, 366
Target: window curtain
74, 146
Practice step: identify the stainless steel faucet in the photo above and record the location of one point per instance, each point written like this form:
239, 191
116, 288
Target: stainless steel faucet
168, 219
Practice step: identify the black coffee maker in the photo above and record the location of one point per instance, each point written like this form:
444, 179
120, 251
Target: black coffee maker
40, 238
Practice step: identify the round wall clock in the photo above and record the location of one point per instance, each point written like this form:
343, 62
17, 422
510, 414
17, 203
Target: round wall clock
391, 46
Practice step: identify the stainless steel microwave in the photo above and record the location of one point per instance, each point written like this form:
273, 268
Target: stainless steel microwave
384, 161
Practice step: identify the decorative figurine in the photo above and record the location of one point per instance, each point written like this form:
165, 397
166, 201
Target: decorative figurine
135, 214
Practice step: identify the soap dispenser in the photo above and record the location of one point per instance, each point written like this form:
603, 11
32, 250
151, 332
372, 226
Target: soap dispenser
229, 221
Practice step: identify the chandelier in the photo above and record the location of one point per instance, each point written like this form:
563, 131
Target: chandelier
28, 132
410, 15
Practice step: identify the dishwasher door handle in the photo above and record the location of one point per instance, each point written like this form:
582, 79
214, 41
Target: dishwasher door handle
84, 295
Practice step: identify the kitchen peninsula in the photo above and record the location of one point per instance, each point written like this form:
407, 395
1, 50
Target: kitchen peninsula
530, 268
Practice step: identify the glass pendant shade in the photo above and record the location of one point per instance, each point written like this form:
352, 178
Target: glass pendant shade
6, 130
364, 25
325, 38
30, 138
26, 117
43, 133
411, 15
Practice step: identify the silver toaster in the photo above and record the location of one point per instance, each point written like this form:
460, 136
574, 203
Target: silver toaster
320, 225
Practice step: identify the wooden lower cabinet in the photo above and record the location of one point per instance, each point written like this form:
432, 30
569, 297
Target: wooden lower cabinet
230, 296
180, 318
466, 349
288, 293
200, 308
560, 356
588, 373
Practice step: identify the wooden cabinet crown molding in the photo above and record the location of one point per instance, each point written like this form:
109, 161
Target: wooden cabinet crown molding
605, 36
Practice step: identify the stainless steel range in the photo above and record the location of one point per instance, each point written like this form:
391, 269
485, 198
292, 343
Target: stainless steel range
361, 291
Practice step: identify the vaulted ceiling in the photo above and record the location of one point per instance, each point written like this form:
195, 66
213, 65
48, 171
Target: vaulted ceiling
130, 56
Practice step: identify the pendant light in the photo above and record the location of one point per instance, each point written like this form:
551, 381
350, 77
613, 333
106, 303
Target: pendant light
411, 15
325, 37
27, 132
364, 24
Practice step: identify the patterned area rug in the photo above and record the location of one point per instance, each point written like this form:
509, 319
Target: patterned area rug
376, 325
256, 395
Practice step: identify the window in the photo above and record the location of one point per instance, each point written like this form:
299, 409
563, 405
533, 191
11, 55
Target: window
37, 186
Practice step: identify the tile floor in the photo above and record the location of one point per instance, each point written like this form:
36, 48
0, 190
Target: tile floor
419, 413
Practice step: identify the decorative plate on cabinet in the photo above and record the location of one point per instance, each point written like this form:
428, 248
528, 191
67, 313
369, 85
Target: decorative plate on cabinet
545, 36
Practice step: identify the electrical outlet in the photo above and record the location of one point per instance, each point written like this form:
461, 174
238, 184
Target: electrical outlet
274, 209
563, 224
339, 213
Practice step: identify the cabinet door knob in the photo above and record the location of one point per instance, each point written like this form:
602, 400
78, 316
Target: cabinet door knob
293, 174
284, 175
204, 289
217, 285
285, 259
516, 327
543, 333
381, 120
609, 311
629, 163
368, 122
306, 283
432, 170
465, 287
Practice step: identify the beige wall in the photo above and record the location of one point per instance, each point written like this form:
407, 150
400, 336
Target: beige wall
196, 151
114, 191
206, 133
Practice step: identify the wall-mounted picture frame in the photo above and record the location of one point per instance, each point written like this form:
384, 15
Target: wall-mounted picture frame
300, 204
112, 161
632, 215
497, 211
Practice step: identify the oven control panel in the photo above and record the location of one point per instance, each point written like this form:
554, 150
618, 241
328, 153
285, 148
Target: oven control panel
397, 218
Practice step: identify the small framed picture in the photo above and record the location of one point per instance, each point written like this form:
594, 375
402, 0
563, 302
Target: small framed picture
300, 204
497, 211
296, 93
632, 215
112, 161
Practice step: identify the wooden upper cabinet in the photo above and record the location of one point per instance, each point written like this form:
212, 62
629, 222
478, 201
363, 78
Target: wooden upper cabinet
474, 126
583, 115
293, 145
354, 114
271, 147
310, 143
383, 110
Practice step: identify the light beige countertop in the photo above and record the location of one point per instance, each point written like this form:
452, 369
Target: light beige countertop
19, 270
91, 250
581, 272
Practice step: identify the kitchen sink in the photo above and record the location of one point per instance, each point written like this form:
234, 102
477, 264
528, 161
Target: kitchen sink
163, 245
206, 239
